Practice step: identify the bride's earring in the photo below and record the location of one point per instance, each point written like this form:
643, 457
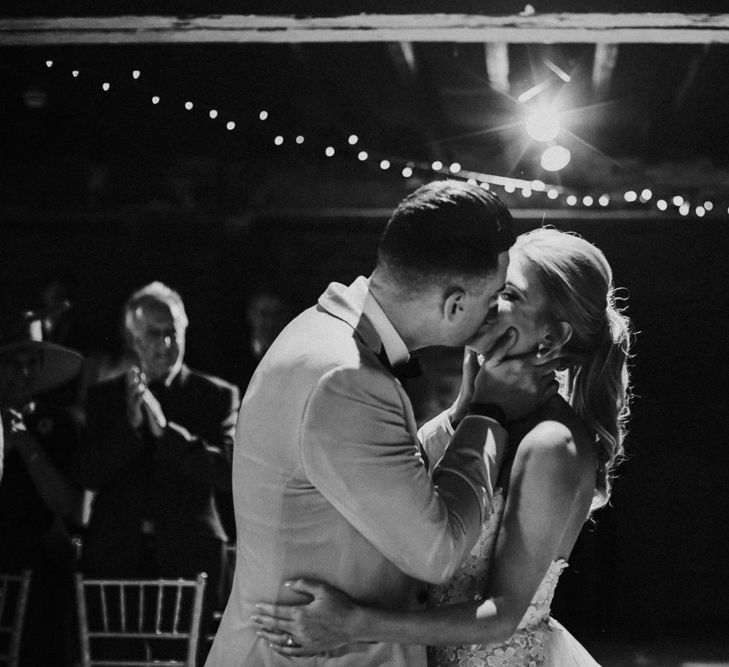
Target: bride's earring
542, 349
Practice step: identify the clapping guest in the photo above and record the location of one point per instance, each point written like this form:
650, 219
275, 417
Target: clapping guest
157, 448
39, 501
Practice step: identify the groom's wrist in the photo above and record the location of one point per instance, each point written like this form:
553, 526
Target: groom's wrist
491, 410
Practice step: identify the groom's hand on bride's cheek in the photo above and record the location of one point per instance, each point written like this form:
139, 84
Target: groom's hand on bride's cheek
518, 384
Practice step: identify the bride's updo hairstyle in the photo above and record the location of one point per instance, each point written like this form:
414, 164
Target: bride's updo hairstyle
578, 282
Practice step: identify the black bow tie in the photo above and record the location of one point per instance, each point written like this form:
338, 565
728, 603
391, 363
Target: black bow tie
405, 371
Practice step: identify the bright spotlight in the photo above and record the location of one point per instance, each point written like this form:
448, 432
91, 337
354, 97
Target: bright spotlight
555, 158
542, 125
630, 196
662, 204
571, 200
604, 200
552, 194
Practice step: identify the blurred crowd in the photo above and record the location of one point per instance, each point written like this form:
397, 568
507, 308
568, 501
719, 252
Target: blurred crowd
116, 467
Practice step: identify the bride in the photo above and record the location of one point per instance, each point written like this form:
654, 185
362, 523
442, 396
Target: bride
559, 298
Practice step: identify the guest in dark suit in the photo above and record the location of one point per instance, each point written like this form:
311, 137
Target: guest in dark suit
157, 448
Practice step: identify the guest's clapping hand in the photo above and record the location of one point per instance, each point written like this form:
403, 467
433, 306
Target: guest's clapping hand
142, 404
329, 620
135, 391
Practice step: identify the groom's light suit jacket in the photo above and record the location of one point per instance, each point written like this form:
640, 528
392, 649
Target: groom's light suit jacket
329, 483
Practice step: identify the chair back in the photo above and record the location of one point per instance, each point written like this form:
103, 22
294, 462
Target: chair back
139, 621
13, 603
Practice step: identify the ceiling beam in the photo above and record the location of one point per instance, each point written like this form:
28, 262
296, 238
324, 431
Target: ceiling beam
658, 28
497, 66
606, 57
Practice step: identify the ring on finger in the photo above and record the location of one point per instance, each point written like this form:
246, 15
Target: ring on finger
290, 640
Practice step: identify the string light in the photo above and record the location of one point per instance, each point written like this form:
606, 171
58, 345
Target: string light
554, 158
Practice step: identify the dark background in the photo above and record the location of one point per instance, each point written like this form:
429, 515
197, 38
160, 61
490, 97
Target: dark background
117, 194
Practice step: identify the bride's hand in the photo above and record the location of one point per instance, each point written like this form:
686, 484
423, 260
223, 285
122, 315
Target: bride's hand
329, 620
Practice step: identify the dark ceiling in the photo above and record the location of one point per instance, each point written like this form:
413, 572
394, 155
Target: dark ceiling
636, 116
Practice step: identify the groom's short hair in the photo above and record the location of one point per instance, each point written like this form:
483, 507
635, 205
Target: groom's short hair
445, 230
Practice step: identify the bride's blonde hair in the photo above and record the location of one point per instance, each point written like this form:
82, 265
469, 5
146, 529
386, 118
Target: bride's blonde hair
578, 282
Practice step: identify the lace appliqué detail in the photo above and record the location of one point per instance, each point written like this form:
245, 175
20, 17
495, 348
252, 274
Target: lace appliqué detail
525, 648
469, 581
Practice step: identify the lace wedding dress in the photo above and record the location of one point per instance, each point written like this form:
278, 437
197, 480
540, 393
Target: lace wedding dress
540, 641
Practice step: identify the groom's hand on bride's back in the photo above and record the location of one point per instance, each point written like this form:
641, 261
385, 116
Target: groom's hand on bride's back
517, 384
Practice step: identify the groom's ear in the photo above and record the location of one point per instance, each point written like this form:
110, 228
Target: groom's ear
453, 303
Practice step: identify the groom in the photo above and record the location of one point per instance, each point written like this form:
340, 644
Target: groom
328, 479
